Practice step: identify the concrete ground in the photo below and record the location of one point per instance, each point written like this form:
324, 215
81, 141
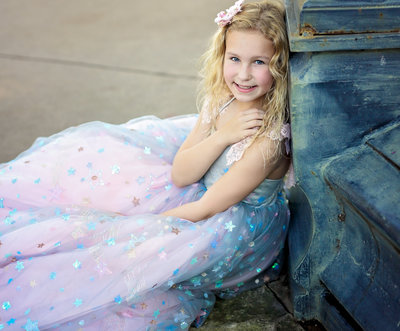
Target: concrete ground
66, 62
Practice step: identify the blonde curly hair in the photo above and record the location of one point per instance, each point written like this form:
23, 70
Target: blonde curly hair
267, 17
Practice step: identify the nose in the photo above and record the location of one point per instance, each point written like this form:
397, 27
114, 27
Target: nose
244, 72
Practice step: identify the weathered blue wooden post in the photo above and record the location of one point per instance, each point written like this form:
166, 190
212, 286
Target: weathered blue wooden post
344, 240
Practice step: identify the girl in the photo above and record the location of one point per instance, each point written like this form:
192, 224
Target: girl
139, 226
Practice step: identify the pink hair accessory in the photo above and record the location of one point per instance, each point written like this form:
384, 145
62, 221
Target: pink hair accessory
225, 17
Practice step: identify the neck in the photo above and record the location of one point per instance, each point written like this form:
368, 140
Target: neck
248, 105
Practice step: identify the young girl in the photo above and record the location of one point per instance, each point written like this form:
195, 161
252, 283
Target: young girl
139, 226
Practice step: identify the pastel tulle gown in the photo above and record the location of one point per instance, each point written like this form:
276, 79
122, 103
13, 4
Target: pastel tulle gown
82, 244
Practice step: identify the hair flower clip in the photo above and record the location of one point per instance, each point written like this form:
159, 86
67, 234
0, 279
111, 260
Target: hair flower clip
225, 17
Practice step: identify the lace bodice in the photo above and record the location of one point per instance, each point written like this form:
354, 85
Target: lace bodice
235, 152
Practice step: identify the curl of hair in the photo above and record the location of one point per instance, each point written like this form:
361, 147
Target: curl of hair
267, 17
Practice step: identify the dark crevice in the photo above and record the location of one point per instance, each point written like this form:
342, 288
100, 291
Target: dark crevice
330, 299
383, 155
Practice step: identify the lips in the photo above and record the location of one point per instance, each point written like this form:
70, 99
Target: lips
245, 88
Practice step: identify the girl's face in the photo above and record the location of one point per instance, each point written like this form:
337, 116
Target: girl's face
246, 70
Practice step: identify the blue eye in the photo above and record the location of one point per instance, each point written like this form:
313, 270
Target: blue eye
259, 62
235, 59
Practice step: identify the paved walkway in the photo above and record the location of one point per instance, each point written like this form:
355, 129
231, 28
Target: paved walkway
67, 62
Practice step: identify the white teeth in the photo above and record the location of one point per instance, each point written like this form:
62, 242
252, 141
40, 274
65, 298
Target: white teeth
245, 87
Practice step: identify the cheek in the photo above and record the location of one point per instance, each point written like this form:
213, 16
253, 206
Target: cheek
265, 78
228, 72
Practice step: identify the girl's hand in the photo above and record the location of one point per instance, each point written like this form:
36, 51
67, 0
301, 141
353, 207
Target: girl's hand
242, 125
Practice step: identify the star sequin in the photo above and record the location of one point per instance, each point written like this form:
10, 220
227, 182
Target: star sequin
196, 281
33, 283
20, 265
229, 226
77, 302
115, 169
110, 242
156, 313
91, 226
6, 305
8, 220
136, 202
77, 264
118, 299
175, 230
65, 217
80, 149
31, 325
40, 245
143, 305
55, 192
218, 283
71, 171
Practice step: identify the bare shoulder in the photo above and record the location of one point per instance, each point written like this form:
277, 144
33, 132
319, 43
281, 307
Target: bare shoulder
270, 156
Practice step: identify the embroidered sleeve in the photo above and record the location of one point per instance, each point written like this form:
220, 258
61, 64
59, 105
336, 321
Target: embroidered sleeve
206, 113
236, 151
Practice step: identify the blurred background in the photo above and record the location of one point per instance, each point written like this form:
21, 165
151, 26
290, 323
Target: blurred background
66, 62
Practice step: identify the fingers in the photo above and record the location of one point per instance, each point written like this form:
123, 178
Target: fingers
249, 132
252, 114
242, 125
254, 123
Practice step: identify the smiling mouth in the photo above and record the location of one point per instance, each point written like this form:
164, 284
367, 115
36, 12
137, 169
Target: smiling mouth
245, 87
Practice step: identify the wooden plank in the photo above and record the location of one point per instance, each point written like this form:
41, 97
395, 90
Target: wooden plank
329, 28
371, 184
388, 144
344, 42
344, 17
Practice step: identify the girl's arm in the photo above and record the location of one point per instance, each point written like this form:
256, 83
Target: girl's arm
200, 150
196, 154
241, 179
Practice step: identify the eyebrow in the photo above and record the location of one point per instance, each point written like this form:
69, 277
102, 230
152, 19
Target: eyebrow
253, 57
